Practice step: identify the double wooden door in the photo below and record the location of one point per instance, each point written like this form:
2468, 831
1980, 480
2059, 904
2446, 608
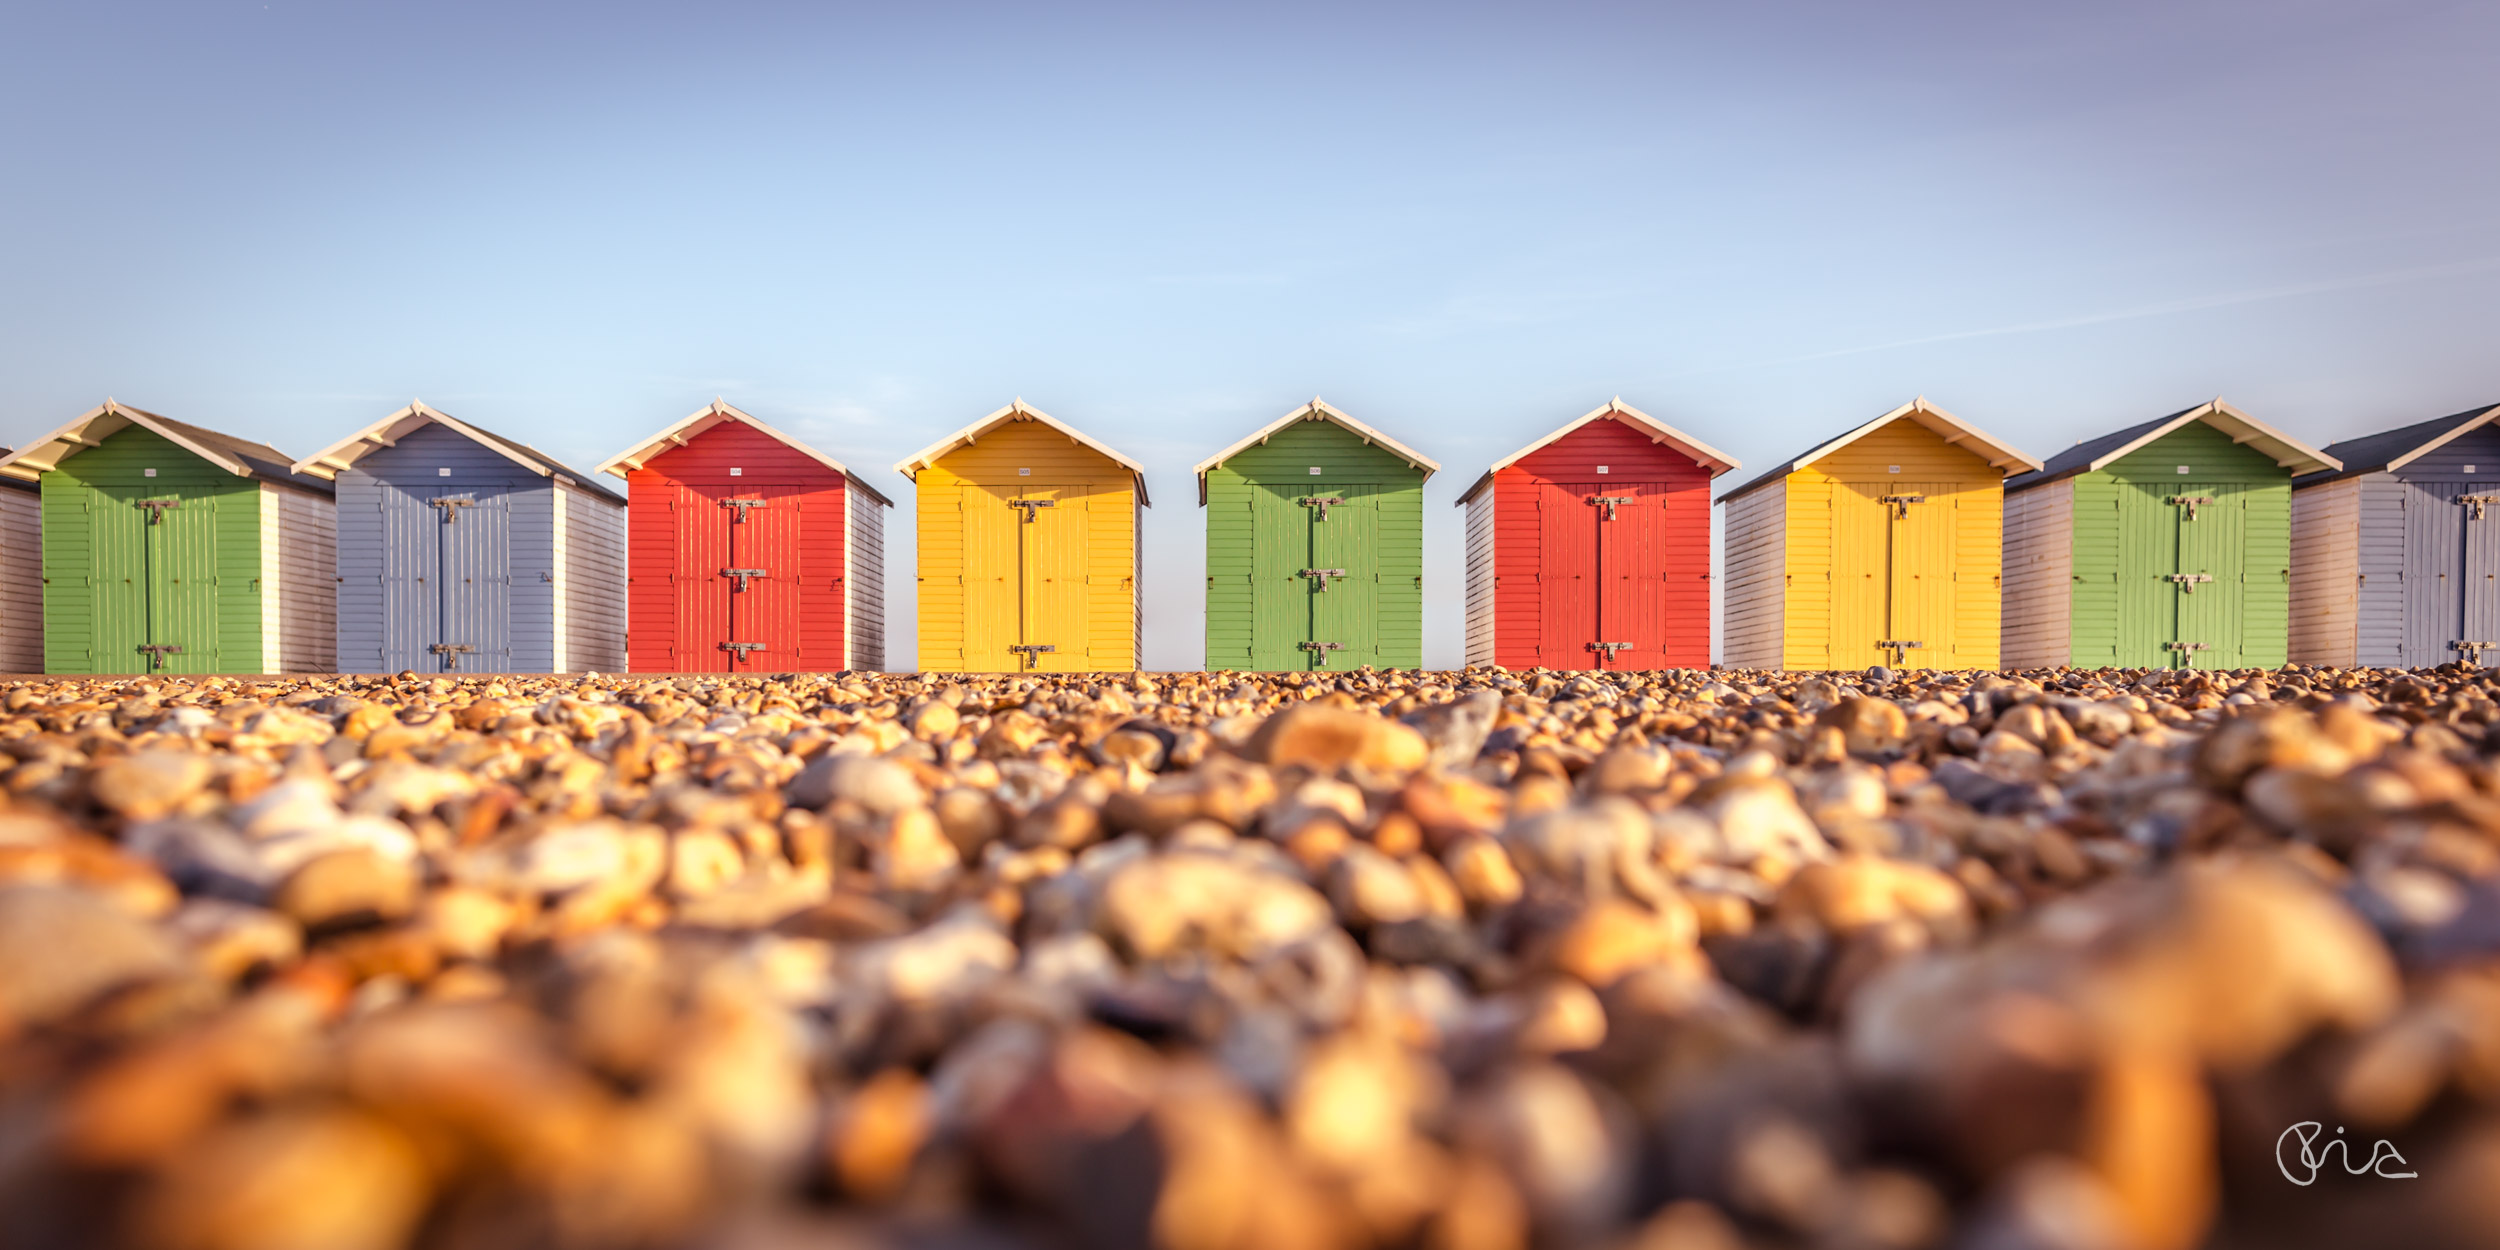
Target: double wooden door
2451, 573
1315, 600
446, 579
2182, 574
1027, 578
739, 575
156, 579
1893, 574
1606, 554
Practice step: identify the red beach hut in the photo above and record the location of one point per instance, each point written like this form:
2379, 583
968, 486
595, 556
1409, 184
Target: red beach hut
1590, 548
748, 552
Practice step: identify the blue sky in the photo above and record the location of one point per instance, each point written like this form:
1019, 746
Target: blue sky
1169, 224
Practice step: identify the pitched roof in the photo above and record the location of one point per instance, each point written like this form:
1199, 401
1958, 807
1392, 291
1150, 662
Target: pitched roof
1615, 409
1999, 455
335, 459
2094, 454
237, 456
2396, 448
911, 466
1316, 410
712, 414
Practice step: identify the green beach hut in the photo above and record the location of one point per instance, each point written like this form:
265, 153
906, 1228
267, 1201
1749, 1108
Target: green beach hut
1315, 546
172, 549
2162, 545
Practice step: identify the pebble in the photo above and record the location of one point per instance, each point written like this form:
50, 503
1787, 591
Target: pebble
149, 784
347, 887
60, 948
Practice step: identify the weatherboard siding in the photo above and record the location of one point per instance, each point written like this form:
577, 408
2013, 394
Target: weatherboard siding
2039, 590
865, 581
1481, 578
306, 567
21, 578
2326, 573
593, 586
1754, 570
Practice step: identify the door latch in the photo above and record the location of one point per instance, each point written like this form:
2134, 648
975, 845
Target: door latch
738, 650
1606, 650
742, 575
2187, 582
1028, 651
743, 506
451, 506
451, 652
2189, 502
1321, 576
157, 651
1323, 646
2473, 651
157, 508
2478, 503
1899, 648
1321, 504
2185, 647
1030, 504
1901, 510
1610, 503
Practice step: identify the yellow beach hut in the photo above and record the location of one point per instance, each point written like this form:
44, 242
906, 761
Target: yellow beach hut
1882, 546
1028, 548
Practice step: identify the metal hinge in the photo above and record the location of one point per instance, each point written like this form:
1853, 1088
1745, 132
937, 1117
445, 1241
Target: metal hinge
743, 506
1030, 504
451, 506
2190, 502
1321, 575
2187, 582
2477, 503
1610, 503
742, 575
157, 508
1901, 508
451, 652
156, 653
1322, 502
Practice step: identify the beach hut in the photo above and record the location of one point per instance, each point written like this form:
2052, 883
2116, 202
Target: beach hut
1590, 547
2396, 552
21, 574
1028, 548
1878, 547
2162, 545
749, 552
1315, 546
172, 549
461, 551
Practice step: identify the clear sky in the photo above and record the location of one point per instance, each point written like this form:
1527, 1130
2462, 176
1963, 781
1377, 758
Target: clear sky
1168, 224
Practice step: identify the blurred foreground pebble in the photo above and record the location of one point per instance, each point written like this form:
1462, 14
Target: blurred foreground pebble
1480, 961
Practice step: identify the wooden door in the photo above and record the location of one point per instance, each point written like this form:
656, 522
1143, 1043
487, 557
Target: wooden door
1568, 574
182, 589
1860, 575
1919, 562
759, 570
2147, 536
472, 587
1634, 553
2479, 514
118, 572
992, 578
1280, 593
1056, 624
2211, 586
699, 593
411, 551
1344, 594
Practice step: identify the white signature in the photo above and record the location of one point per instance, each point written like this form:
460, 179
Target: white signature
2308, 1131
